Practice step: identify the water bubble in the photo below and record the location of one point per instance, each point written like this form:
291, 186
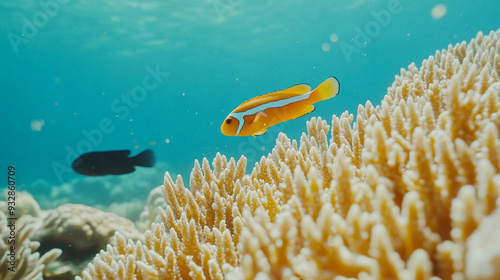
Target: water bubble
325, 47
438, 11
334, 38
36, 125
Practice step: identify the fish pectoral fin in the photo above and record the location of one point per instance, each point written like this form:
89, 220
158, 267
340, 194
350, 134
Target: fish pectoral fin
260, 119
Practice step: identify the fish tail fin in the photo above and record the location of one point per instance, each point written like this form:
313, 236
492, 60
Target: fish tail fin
145, 158
326, 90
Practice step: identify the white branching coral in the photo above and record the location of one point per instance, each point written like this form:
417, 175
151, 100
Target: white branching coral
149, 214
204, 226
20, 260
400, 194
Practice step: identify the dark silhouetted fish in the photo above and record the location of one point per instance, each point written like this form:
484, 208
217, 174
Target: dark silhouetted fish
111, 162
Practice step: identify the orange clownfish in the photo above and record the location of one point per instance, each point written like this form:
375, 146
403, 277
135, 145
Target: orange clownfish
254, 116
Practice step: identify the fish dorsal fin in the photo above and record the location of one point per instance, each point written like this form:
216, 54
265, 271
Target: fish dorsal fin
288, 92
273, 96
117, 153
299, 89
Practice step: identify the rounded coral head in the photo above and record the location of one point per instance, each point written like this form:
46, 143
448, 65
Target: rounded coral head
229, 126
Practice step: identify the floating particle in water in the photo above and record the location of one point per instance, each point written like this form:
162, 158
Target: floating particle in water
325, 47
438, 11
334, 38
167, 140
152, 143
36, 125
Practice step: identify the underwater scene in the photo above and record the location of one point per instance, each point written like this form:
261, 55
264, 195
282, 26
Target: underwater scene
236, 139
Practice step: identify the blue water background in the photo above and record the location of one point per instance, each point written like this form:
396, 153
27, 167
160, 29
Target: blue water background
72, 71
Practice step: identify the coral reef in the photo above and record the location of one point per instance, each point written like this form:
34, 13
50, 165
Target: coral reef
64, 239
406, 192
27, 264
123, 195
482, 258
149, 214
202, 227
80, 232
25, 205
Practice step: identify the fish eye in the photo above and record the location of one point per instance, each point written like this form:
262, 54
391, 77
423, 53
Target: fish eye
228, 121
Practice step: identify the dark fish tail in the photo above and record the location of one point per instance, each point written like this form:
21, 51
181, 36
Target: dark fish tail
146, 159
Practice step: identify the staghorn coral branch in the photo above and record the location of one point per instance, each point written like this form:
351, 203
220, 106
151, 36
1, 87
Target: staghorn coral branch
408, 191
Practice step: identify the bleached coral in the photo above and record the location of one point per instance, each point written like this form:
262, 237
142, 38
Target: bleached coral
395, 196
20, 260
204, 225
483, 257
123, 195
150, 213
25, 205
80, 232
81, 229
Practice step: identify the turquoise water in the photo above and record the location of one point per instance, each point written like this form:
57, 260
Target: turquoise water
79, 76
